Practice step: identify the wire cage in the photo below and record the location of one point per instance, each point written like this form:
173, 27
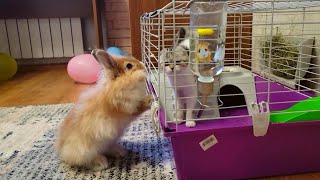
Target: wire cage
271, 56
224, 73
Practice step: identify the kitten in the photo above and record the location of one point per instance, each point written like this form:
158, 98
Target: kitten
185, 82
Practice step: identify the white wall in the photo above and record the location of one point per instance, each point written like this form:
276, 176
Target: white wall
294, 29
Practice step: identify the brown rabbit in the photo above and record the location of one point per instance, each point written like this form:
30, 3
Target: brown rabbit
97, 121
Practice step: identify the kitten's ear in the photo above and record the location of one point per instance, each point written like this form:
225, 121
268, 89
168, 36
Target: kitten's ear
182, 33
108, 62
162, 56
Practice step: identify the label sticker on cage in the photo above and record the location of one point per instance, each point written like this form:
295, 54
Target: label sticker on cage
208, 142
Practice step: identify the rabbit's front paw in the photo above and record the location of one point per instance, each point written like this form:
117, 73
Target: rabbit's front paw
145, 104
148, 101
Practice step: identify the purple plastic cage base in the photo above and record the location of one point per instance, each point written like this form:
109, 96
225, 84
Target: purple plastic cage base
287, 148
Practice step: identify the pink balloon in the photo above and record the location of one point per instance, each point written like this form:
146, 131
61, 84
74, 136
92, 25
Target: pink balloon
84, 68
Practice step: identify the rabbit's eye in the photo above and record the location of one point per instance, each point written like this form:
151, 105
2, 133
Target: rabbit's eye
129, 66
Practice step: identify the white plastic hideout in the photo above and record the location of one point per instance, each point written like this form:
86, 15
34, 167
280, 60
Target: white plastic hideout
235, 76
231, 75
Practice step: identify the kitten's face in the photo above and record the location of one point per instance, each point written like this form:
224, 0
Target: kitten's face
180, 57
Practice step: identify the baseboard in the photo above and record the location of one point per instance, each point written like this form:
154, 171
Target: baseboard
42, 61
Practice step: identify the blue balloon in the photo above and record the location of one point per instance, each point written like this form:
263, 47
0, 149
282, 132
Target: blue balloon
117, 51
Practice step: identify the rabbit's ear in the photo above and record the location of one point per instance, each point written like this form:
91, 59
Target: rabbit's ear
108, 62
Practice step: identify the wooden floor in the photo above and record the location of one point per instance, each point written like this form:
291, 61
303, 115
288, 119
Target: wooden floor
45, 84
50, 84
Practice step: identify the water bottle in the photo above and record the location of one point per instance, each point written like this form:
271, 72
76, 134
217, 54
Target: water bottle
208, 20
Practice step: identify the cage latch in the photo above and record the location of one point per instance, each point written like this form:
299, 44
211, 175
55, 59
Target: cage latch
155, 117
260, 118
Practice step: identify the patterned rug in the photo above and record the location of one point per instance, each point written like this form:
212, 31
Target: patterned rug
27, 135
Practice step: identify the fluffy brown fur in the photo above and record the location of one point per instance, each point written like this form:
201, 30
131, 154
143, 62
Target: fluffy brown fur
97, 121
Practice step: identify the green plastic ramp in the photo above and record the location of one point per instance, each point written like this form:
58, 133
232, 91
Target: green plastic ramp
311, 106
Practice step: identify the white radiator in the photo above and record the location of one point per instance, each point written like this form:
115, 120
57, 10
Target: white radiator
41, 38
